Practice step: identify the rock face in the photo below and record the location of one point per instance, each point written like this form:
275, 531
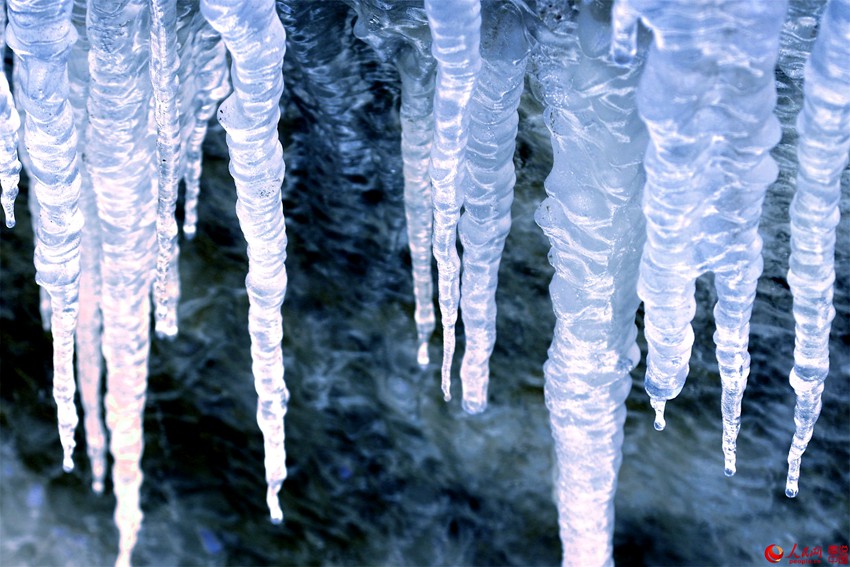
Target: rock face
380, 469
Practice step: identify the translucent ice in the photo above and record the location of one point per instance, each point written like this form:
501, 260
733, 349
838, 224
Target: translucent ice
822, 151
489, 188
593, 220
707, 96
456, 36
250, 116
10, 123
41, 34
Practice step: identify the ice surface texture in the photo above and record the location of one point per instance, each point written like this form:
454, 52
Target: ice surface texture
707, 96
131, 92
41, 35
822, 151
593, 220
250, 116
456, 35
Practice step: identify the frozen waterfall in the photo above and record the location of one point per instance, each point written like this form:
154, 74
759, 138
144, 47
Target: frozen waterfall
662, 117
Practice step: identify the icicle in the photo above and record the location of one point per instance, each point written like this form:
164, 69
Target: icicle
211, 83
41, 34
417, 118
824, 129
593, 220
250, 116
119, 155
456, 34
88, 335
394, 37
10, 123
707, 172
489, 189
33, 184
164, 79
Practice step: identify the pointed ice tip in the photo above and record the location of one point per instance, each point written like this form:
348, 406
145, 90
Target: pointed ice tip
188, 233
68, 464
729, 471
791, 490
473, 407
658, 406
422, 356
97, 486
10, 222
447, 397
166, 333
659, 424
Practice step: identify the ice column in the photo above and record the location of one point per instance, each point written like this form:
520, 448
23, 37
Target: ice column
10, 123
211, 84
164, 64
455, 35
489, 188
824, 142
119, 154
593, 220
250, 116
89, 324
398, 34
707, 97
41, 34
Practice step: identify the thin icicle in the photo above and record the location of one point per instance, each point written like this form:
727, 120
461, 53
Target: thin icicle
119, 154
824, 129
394, 35
89, 324
455, 35
164, 64
593, 220
489, 189
250, 116
707, 172
10, 123
211, 84
417, 119
41, 34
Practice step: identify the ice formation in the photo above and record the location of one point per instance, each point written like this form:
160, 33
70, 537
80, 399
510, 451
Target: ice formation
824, 128
707, 96
683, 122
592, 219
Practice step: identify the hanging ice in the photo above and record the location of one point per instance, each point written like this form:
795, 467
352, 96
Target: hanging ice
396, 35
211, 84
10, 123
89, 323
119, 159
593, 220
707, 96
250, 116
488, 190
824, 129
455, 35
164, 64
41, 34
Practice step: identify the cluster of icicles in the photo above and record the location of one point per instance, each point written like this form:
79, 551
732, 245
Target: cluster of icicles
112, 100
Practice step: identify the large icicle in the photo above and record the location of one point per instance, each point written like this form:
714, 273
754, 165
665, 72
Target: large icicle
489, 188
593, 220
824, 129
164, 64
119, 155
455, 36
10, 123
390, 31
707, 97
89, 324
41, 34
250, 116
211, 84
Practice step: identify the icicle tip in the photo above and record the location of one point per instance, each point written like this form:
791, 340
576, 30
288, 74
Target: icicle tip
422, 356
660, 423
